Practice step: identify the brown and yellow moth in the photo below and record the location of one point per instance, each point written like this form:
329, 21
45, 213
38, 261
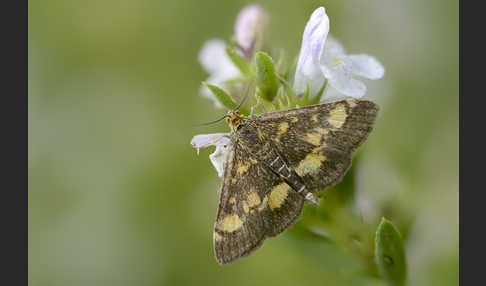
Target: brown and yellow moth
276, 162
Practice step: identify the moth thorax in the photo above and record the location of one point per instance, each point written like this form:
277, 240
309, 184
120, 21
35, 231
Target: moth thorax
233, 118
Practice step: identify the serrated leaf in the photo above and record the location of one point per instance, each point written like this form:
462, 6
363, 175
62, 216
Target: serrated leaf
267, 78
390, 254
238, 60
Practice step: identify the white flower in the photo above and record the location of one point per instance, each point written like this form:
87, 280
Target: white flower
249, 26
221, 141
321, 56
340, 69
217, 63
308, 70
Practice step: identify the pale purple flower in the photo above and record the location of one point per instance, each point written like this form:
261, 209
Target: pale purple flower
341, 70
249, 26
321, 57
308, 70
221, 141
216, 62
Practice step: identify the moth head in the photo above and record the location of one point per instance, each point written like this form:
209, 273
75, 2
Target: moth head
233, 118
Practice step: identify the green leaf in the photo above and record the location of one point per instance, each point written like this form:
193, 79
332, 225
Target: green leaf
234, 81
389, 254
221, 96
267, 78
238, 60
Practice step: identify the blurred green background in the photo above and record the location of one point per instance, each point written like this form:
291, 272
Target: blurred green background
117, 195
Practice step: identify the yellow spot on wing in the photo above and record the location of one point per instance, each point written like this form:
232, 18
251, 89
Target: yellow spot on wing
233, 180
337, 116
232, 200
294, 119
314, 117
246, 208
278, 195
352, 102
261, 135
321, 130
282, 128
242, 168
264, 204
230, 223
217, 237
310, 164
318, 149
253, 199
313, 138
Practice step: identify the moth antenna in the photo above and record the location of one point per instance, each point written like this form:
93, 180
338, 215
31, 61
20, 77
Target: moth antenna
212, 122
247, 89
239, 105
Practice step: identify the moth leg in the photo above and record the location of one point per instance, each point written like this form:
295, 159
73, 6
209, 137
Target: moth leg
302, 190
310, 197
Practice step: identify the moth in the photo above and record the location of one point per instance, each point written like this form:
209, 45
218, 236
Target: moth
277, 162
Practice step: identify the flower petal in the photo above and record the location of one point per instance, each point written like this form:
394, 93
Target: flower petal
342, 80
249, 25
213, 139
332, 94
218, 158
366, 66
217, 63
221, 141
214, 59
313, 40
332, 49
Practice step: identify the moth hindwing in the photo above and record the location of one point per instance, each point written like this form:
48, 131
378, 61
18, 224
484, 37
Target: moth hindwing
276, 162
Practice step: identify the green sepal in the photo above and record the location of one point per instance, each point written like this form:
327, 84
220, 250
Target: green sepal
306, 94
304, 99
390, 254
282, 98
316, 99
267, 78
238, 60
289, 91
267, 105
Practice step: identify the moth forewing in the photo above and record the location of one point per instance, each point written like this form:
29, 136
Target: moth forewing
276, 162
